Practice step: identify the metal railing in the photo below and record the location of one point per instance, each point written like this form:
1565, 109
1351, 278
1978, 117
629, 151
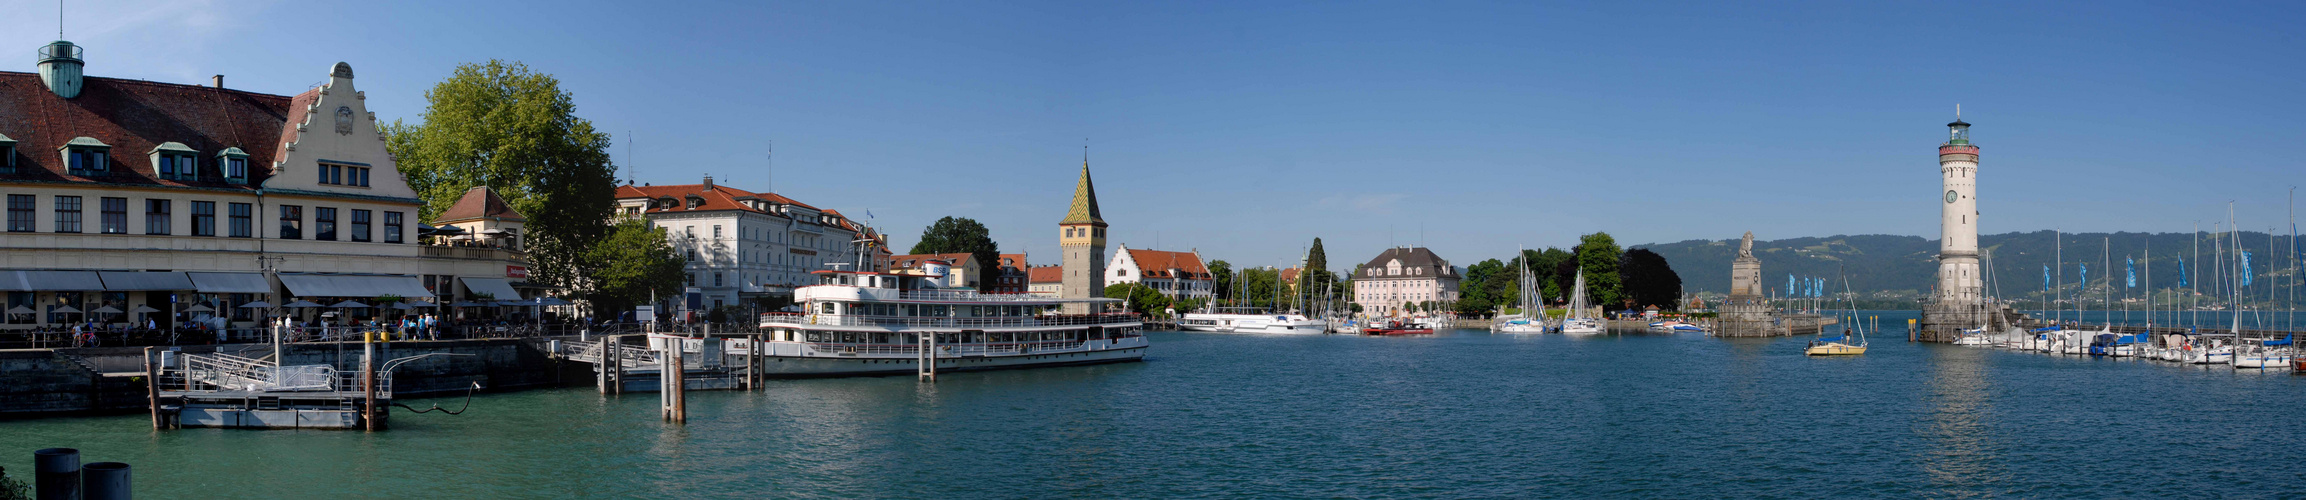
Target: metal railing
797, 319
628, 356
228, 372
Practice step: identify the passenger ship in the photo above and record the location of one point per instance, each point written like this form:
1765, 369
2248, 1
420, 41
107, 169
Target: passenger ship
1244, 320
868, 323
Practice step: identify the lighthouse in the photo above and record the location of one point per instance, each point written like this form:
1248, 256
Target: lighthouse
1958, 298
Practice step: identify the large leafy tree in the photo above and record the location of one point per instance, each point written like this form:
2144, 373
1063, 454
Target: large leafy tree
1221, 273
1649, 280
1140, 298
514, 130
1597, 255
637, 263
963, 235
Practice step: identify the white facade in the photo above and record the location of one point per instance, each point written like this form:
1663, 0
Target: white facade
1404, 276
740, 244
1175, 274
1959, 282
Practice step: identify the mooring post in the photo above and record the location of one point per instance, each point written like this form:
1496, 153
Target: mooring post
617, 365
673, 380
601, 367
104, 481
368, 379
152, 388
56, 474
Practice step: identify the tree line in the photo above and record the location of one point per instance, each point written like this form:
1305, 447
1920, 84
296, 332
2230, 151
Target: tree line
1615, 278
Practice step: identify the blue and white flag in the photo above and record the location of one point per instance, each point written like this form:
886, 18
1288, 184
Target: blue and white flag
1789, 284
2181, 271
2085, 276
2045, 277
2132, 266
2245, 267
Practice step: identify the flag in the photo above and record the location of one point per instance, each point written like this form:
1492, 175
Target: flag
2085, 276
1789, 284
2181, 271
2045, 277
2132, 267
2245, 267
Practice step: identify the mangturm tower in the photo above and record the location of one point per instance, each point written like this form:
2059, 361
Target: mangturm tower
1957, 298
1083, 240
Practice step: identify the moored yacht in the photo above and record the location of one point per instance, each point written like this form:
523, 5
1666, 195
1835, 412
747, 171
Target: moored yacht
869, 323
1251, 322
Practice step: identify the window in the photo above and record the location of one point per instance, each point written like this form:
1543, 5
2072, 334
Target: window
716, 231
344, 175
7, 155
156, 216
67, 214
20, 213
392, 227
324, 224
175, 161
114, 216
360, 225
87, 156
291, 222
235, 165
242, 220
203, 218
716, 279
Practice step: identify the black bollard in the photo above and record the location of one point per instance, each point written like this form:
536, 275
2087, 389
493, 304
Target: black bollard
104, 481
56, 474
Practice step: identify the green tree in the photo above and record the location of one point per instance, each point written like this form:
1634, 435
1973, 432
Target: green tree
1221, 274
1316, 258
1650, 281
633, 264
1598, 255
1141, 299
514, 130
963, 235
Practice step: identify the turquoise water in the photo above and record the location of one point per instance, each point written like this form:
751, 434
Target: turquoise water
1457, 415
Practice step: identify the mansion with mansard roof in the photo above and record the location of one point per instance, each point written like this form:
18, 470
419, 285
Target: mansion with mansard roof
136, 201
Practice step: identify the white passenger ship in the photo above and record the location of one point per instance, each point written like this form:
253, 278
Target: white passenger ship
1250, 322
867, 323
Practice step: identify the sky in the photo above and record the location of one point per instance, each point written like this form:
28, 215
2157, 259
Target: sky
1247, 129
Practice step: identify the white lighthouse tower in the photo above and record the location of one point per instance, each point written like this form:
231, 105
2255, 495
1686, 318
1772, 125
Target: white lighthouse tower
1958, 298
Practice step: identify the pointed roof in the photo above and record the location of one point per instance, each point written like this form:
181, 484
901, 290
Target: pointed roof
480, 202
1084, 209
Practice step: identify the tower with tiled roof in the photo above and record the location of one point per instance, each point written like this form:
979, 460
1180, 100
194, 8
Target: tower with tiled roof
1082, 239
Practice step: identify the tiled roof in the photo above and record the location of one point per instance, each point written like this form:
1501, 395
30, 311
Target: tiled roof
1016, 260
134, 116
1289, 275
1157, 263
1084, 210
1045, 274
718, 198
480, 202
1411, 257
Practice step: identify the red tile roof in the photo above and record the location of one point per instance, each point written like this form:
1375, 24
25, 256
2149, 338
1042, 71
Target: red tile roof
911, 260
134, 116
1045, 274
1016, 260
1157, 263
718, 198
480, 202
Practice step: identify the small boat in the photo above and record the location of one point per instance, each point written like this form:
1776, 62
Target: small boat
1973, 338
2268, 354
1395, 327
1575, 323
1532, 318
1851, 342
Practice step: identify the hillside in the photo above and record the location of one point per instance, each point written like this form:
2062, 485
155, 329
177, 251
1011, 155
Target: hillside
1885, 266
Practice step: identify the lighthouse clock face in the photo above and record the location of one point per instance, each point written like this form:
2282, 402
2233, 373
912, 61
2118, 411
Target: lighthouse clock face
1950, 196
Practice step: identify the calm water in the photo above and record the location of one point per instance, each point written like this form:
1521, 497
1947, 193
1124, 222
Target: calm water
1457, 415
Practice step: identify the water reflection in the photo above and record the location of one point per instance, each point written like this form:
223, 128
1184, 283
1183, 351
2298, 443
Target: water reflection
1960, 459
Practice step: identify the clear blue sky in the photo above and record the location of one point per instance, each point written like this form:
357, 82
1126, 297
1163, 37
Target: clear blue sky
1246, 129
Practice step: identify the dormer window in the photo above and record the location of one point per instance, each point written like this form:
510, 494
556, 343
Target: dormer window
173, 161
235, 163
86, 156
7, 155
696, 201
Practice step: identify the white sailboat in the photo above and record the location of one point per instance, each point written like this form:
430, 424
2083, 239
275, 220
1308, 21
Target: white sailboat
1576, 322
1532, 318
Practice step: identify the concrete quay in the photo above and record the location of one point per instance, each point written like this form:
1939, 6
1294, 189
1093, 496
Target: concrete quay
105, 380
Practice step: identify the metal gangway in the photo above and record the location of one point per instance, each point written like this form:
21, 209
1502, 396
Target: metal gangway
629, 357
220, 371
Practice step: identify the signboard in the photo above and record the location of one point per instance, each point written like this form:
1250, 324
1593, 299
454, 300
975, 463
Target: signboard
519, 272
645, 313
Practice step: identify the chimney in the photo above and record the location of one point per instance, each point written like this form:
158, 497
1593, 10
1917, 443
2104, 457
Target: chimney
220, 81
708, 182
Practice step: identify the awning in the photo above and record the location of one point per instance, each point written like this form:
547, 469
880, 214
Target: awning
495, 288
51, 281
141, 281
334, 285
229, 282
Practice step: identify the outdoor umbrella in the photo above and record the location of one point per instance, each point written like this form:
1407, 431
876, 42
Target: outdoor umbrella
348, 303
256, 305
199, 308
143, 309
302, 304
66, 310
21, 310
106, 310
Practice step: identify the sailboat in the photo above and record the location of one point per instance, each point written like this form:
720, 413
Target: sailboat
1532, 318
1851, 342
1576, 322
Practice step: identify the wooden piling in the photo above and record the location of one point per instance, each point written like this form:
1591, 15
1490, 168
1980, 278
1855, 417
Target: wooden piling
601, 370
152, 388
368, 380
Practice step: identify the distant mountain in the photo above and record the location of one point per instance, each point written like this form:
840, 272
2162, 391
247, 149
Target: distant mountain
1906, 265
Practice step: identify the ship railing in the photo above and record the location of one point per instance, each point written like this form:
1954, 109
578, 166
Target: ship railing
999, 348
628, 356
969, 295
982, 322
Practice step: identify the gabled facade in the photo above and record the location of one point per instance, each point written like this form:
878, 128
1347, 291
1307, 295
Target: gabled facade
742, 244
1047, 281
961, 268
1012, 276
230, 196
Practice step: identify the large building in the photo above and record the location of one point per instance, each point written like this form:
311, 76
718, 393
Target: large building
1179, 275
1404, 275
1083, 243
138, 201
1047, 281
746, 245
1012, 277
962, 268
1957, 301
